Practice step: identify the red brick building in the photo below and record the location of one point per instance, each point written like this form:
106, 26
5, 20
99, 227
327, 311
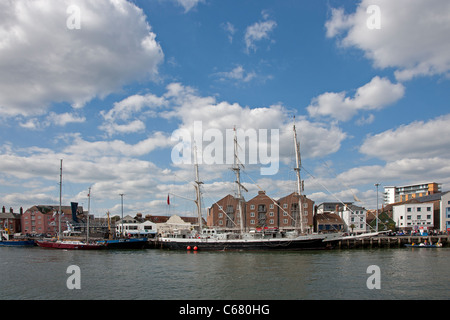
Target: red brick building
41, 219
289, 209
260, 212
10, 221
225, 213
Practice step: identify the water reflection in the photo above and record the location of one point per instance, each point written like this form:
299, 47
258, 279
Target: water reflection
37, 273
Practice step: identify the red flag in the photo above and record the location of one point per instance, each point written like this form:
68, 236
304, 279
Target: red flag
168, 200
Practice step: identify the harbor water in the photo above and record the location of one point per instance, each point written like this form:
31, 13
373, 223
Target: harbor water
404, 273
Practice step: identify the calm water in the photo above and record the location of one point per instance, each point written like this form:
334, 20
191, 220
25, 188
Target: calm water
37, 273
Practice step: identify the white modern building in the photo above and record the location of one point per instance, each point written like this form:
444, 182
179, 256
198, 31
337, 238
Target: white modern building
393, 194
354, 218
445, 212
133, 228
414, 216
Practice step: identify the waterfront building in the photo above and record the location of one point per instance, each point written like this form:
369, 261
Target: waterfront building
328, 222
225, 213
414, 216
288, 211
10, 221
174, 224
332, 206
261, 211
132, 227
44, 219
393, 194
354, 218
445, 212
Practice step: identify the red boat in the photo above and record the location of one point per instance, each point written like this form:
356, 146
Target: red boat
71, 245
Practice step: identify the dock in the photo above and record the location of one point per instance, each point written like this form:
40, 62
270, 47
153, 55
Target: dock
390, 241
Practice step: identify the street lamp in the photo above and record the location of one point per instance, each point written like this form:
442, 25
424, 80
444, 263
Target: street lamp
121, 198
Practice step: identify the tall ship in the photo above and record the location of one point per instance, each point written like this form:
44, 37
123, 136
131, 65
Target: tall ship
59, 242
214, 239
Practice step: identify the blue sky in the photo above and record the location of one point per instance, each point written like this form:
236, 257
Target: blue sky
371, 101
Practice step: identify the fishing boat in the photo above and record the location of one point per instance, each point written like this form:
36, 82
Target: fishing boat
60, 243
207, 239
6, 240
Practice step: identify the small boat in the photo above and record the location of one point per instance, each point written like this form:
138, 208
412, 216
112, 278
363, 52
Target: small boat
424, 245
7, 241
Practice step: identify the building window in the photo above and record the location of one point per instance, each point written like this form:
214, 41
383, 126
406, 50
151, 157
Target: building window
428, 208
419, 209
252, 214
252, 221
252, 206
428, 216
285, 206
271, 206
408, 209
285, 221
271, 221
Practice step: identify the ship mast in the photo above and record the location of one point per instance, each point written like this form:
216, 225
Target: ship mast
237, 171
298, 164
60, 201
198, 200
89, 212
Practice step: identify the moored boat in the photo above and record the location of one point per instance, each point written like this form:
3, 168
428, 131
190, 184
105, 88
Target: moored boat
424, 245
127, 243
70, 245
6, 240
244, 240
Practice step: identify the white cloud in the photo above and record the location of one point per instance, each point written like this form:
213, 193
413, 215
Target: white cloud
318, 139
230, 29
95, 149
418, 140
42, 61
238, 74
413, 38
122, 118
188, 4
257, 32
375, 95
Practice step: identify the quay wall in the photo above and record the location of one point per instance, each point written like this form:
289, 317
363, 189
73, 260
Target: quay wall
390, 242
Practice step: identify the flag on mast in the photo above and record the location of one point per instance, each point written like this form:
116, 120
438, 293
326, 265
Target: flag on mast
168, 200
